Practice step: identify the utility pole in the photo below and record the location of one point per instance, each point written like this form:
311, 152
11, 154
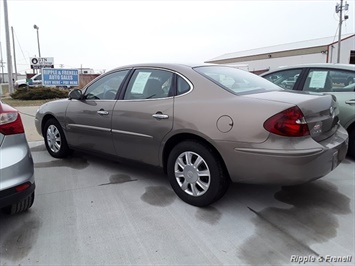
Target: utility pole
13, 48
339, 9
2, 66
8, 49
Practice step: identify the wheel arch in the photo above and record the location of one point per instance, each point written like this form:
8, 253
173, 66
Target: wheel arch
44, 121
46, 118
174, 140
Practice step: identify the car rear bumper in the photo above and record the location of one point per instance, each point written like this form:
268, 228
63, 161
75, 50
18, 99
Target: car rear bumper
291, 165
11, 196
16, 168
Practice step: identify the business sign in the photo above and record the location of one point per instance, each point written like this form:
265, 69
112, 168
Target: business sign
60, 77
41, 62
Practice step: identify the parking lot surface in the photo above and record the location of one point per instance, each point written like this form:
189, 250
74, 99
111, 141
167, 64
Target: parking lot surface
89, 210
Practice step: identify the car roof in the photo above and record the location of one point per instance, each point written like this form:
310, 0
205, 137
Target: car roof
173, 66
160, 65
320, 65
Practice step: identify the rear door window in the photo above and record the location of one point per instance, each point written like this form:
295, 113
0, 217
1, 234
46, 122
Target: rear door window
329, 80
149, 84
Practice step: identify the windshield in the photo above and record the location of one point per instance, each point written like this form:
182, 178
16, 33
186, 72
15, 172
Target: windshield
235, 80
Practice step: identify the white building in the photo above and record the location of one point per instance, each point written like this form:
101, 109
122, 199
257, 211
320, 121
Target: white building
86, 70
324, 50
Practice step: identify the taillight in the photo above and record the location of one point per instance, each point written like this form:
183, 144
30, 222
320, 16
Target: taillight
22, 187
289, 123
11, 123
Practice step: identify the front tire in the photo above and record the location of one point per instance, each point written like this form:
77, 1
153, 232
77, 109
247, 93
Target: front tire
54, 139
196, 173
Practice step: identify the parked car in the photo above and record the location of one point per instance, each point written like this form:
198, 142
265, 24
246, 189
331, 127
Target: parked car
335, 79
17, 184
205, 125
34, 81
290, 82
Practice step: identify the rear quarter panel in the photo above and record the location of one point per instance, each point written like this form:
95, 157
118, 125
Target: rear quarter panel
198, 112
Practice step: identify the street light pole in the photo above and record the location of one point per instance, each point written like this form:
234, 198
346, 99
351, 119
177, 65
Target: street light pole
8, 49
39, 49
13, 45
2, 65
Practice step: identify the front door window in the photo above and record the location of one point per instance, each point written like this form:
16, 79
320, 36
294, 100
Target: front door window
106, 87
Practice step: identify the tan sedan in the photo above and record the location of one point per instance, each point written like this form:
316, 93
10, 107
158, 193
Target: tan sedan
205, 125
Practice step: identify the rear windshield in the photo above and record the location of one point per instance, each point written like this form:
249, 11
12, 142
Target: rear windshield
235, 80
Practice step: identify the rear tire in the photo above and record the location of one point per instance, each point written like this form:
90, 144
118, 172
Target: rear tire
55, 140
196, 173
21, 206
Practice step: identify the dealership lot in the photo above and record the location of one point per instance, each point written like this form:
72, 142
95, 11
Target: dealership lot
92, 211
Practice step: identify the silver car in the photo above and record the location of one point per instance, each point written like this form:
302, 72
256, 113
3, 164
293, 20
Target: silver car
335, 79
17, 184
204, 125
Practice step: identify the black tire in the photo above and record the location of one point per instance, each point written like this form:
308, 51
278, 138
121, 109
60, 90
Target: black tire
21, 206
199, 185
351, 149
55, 140
23, 86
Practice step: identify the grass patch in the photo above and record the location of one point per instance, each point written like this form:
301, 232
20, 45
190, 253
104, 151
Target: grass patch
33, 96
16, 102
38, 93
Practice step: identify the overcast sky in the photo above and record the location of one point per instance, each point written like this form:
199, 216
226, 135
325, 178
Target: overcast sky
106, 34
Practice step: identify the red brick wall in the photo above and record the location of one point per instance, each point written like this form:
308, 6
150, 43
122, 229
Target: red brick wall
86, 78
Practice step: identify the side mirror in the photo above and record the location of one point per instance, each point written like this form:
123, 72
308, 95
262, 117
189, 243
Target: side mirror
75, 94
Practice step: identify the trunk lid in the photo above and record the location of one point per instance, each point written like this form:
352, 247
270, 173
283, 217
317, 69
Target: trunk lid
320, 110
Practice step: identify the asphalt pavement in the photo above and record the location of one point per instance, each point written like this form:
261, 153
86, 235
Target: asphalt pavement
92, 211
27, 116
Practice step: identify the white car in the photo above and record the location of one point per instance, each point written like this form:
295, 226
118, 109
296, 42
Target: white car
35, 81
335, 79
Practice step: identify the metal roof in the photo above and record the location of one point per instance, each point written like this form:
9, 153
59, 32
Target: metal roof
282, 47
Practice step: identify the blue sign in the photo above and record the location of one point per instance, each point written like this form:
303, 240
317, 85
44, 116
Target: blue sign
60, 77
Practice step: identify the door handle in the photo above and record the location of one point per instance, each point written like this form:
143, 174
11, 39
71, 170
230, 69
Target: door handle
160, 115
102, 112
350, 101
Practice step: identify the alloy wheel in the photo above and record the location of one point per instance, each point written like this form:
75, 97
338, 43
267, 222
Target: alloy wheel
53, 138
192, 173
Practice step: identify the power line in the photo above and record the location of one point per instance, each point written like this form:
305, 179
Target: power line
23, 54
